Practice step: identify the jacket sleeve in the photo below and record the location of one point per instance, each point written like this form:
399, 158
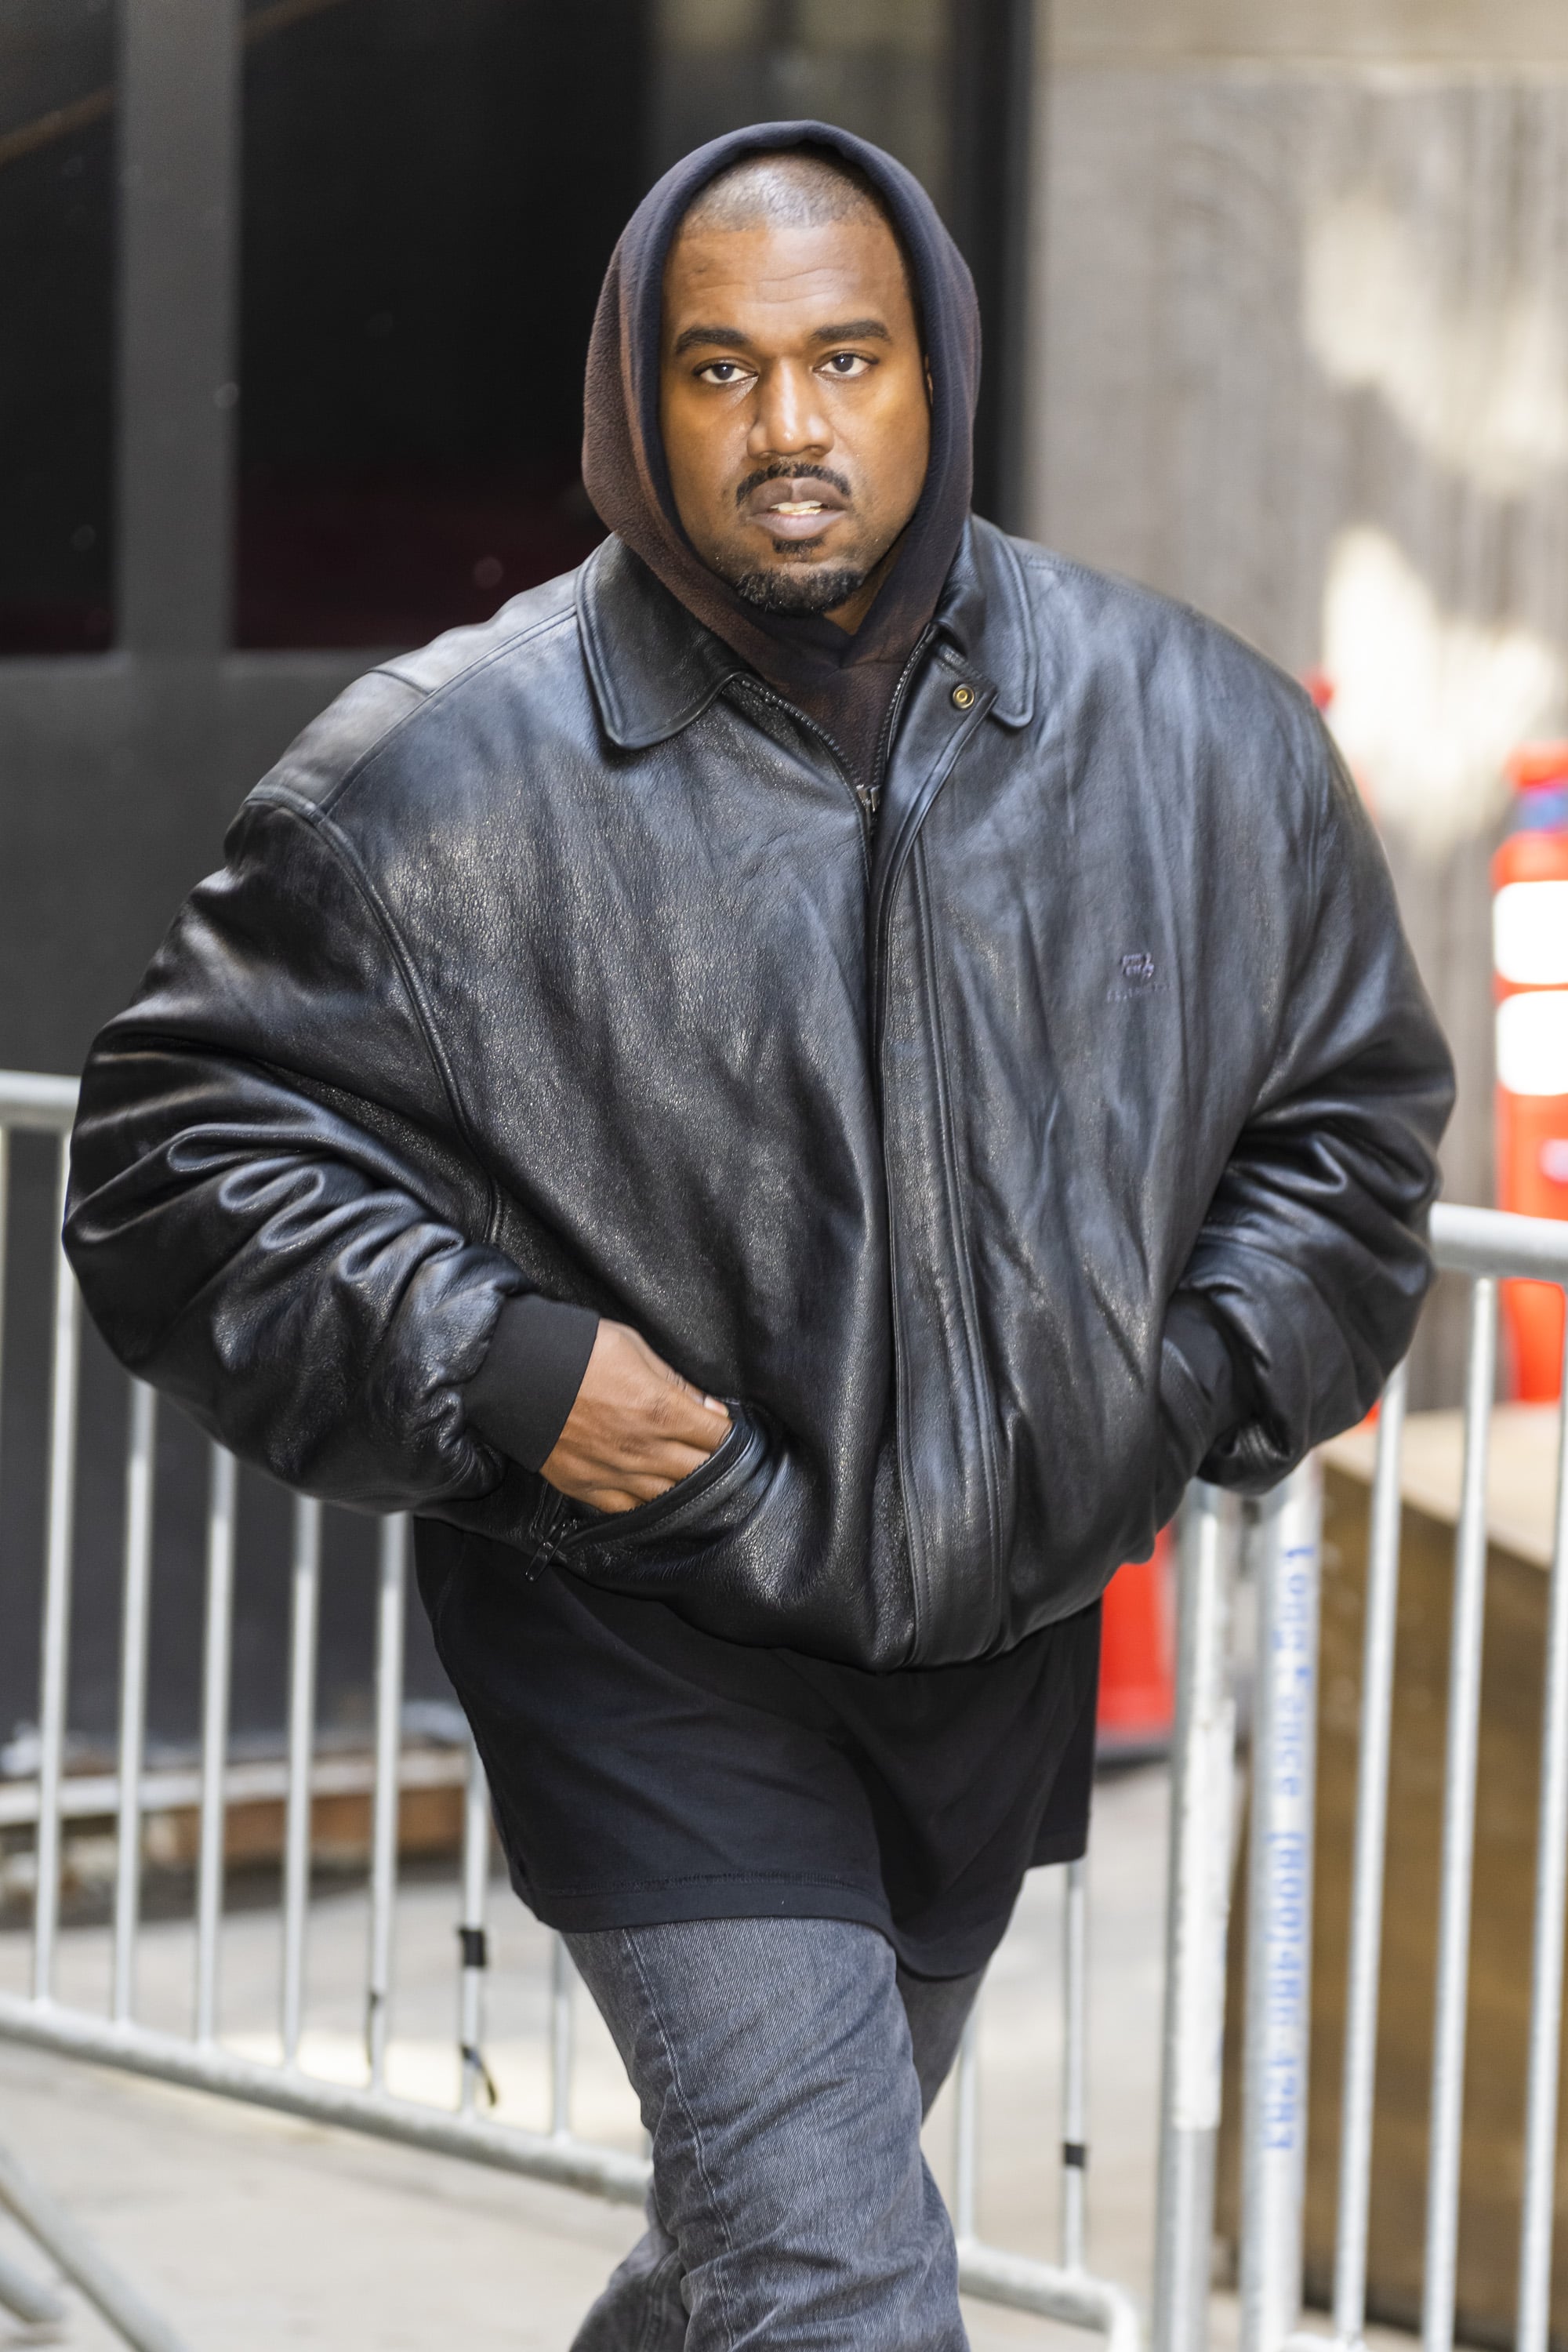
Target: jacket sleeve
270, 1215
1312, 1256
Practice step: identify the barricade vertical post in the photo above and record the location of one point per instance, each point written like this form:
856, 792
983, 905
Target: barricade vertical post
304, 1615
137, 1593
1551, 1890
54, 1663
1358, 2081
217, 1657
471, 1940
1458, 1830
391, 1586
560, 2038
1075, 2064
1197, 1913
966, 2127
1289, 1538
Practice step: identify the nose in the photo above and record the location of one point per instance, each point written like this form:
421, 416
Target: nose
789, 421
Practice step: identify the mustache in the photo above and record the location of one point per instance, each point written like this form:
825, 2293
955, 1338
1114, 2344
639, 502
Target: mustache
781, 472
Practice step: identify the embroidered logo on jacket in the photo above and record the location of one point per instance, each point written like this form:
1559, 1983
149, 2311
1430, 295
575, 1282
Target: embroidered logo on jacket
1137, 978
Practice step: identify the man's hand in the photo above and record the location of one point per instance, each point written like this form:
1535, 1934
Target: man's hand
635, 1429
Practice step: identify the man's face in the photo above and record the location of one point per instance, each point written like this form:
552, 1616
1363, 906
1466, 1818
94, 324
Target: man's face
795, 407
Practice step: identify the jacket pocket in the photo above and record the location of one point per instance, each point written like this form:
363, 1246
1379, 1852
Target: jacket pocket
711, 1501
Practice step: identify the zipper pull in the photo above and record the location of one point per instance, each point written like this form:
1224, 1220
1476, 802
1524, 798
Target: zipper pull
545, 1532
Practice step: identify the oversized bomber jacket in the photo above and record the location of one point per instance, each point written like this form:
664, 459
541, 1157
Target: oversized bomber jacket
561, 957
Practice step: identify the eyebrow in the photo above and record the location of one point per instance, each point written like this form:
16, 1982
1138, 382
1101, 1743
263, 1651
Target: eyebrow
730, 339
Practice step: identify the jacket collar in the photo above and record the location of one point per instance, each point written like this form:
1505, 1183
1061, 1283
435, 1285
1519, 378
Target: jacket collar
655, 668
983, 609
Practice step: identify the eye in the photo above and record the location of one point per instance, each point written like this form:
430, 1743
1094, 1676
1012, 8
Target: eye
846, 365
721, 372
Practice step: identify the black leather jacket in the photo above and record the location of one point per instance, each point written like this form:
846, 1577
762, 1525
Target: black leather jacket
560, 957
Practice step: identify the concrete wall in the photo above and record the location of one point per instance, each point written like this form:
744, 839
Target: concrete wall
1300, 356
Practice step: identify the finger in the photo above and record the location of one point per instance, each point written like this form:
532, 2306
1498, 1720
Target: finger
658, 1460
627, 1494
648, 1470
683, 1416
671, 1383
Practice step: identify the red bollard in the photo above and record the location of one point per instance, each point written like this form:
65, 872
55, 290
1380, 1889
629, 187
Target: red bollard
1529, 954
1137, 1656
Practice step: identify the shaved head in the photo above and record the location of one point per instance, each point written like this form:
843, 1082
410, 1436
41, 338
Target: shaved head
795, 188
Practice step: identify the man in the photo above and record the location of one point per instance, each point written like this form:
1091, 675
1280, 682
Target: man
782, 1096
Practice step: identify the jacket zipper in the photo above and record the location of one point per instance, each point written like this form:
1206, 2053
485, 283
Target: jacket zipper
549, 1525
865, 809
958, 1241
914, 1533
880, 917
868, 803
890, 717
868, 800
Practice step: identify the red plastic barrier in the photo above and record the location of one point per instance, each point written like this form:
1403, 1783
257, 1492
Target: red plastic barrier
1529, 938
1137, 1656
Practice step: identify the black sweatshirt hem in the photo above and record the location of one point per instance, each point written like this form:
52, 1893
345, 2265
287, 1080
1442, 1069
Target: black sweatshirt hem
956, 1952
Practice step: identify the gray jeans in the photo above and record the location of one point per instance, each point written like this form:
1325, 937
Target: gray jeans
783, 2066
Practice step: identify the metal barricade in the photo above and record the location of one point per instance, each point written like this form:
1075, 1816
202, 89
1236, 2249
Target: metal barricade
1486, 1246
1279, 1540
1067, 2290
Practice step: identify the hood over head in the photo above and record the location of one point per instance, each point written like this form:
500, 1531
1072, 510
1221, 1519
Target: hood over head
845, 682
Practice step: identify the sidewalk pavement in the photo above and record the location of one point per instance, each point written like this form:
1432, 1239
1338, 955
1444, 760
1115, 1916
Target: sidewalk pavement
252, 2231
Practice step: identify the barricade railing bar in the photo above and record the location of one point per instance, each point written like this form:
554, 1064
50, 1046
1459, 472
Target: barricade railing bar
1278, 1543
135, 1790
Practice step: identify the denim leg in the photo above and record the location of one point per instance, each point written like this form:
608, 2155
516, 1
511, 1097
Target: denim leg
938, 2011
641, 2308
791, 2207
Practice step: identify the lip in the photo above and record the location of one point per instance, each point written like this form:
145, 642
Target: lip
818, 505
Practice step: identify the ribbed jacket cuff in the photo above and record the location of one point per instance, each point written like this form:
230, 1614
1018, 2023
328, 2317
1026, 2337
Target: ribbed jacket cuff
522, 1394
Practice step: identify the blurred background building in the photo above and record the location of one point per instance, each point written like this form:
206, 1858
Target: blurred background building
295, 298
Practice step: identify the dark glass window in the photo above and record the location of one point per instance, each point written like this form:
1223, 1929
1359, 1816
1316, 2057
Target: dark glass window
57, 347
882, 69
431, 191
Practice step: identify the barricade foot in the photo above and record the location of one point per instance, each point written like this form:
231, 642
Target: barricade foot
78, 2259
37, 2307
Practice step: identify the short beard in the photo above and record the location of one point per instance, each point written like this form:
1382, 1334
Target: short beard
801, 589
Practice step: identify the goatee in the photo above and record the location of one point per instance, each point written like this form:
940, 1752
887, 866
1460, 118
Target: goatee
802, 590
